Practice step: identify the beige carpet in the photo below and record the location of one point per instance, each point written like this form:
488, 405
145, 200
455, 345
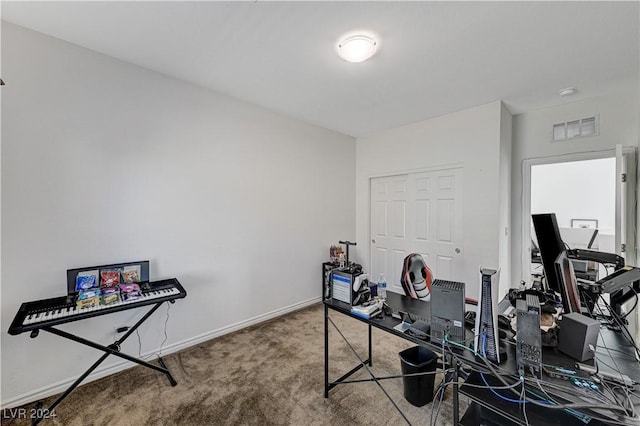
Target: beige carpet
268, 374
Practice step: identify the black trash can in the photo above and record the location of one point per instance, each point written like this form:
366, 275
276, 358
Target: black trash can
418, 390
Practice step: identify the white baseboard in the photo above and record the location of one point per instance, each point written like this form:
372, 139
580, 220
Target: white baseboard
99, 373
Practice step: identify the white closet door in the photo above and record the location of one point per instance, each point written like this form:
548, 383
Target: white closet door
421, 213
388, 228
436, 221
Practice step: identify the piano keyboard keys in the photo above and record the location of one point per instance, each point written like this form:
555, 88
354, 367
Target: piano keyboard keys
60, 310
39, 317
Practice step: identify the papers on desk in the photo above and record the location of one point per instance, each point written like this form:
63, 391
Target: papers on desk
369, 311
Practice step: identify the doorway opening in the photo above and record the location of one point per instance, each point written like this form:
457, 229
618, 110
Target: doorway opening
588, 192
582, 194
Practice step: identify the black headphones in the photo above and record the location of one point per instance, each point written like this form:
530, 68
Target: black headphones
546, 298
363, 295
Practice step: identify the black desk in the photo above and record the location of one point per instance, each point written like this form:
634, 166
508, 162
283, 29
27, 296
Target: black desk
483, 399
385, 323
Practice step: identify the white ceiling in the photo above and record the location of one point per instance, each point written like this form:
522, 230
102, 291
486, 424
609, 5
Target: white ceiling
434, 57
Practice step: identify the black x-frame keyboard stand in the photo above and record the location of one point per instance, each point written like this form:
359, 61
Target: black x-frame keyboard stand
112, 349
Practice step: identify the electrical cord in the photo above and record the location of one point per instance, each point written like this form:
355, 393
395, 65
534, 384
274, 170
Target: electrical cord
492, 389
442, 387
524, 406
583, 417
622, 353
567, 407
484, 380
617, 367
476, 368
593, 392
627, 398
166, 320
559, 406
166, 336
539, 403
605, 363
543, 391
139, 344
623, 328
571, 406
441, 390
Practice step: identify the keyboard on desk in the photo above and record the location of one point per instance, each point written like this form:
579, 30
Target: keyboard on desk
59, 310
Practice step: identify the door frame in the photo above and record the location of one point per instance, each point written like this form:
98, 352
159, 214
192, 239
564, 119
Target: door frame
390, 174
527, 163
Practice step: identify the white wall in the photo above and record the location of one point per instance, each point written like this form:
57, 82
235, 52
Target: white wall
105, 162
619, 121
471, 138
576, 190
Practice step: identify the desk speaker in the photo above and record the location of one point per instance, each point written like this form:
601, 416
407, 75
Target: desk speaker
577, 333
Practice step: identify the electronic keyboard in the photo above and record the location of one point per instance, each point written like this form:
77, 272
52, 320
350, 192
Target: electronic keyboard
59, 310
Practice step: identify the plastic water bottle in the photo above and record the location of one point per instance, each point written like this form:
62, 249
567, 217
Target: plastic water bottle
382, 287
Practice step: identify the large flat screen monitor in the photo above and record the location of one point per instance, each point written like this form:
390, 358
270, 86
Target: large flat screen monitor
558, 269
568, 284
550, 245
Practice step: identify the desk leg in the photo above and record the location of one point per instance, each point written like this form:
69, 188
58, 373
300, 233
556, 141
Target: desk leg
456, 402
370, 346
326, 351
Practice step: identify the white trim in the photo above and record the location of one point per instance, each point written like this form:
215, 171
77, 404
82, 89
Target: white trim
525, 260
62, 385
620, 199
369, 251
418, 170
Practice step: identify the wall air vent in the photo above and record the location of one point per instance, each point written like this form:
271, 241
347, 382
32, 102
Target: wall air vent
589, 126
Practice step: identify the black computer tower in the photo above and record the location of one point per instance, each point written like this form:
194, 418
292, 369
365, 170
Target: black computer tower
447, 311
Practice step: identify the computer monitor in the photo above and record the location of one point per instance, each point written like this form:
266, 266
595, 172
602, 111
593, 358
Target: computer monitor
558, 269
568, 284
415, 309
550, 245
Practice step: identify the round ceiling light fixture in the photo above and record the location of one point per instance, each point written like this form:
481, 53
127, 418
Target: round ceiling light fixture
357, 48
568, 91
